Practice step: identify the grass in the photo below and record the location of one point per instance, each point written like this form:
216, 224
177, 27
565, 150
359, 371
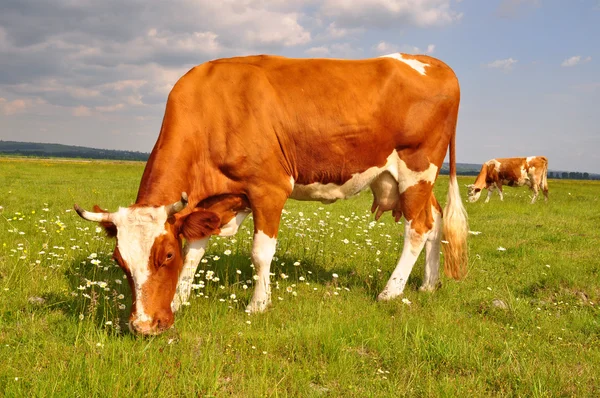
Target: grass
525, 321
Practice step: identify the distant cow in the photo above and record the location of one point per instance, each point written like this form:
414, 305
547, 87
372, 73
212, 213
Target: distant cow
514, 172
242, 135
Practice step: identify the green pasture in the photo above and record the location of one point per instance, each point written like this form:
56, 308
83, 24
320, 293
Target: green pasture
525, 322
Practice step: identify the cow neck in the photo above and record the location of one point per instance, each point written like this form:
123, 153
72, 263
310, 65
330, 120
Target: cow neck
480, 180
167, 175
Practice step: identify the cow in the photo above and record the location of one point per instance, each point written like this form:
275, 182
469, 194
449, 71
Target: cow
514, 172
242, 135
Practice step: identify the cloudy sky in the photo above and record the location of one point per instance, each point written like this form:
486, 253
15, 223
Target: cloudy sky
97, 72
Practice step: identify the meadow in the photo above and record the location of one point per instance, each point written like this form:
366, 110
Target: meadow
524, 322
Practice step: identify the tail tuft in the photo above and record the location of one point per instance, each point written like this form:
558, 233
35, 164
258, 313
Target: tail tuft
455, 233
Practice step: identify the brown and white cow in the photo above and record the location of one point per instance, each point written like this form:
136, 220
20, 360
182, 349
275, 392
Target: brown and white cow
242, 135
514, 172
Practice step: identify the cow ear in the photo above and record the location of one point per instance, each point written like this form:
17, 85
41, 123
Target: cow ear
199, 224
109, 228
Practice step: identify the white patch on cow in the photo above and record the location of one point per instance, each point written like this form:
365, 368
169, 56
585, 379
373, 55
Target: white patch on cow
524, 179
396, 167
432, 253
413, 244
495, 163
292, 182
137, 229
529, 159
193, 252
408, 178
233, 225
263, 250
413, 63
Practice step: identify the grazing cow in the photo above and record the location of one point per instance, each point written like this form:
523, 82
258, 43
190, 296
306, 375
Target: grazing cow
242, 135
514, 172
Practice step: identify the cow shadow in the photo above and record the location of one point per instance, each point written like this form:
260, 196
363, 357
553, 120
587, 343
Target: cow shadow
99, 292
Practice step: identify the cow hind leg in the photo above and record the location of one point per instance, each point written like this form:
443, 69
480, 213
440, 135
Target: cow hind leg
500, 192
416, 207
431, 275
534, 188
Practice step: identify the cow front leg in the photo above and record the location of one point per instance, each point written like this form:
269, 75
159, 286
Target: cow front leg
413, 245
490, 189
263, 250
266, 225
500, 192
193, 253
431, 276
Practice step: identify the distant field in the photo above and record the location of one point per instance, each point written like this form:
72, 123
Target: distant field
525, 321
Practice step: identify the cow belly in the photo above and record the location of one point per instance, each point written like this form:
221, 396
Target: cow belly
330, 192
517, 183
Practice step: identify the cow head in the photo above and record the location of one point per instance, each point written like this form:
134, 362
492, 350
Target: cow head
149, 250
473, 193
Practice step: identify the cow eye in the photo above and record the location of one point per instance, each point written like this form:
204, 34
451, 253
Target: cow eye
169, 256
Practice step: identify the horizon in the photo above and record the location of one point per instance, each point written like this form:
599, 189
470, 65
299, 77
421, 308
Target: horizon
444, 164
81, 74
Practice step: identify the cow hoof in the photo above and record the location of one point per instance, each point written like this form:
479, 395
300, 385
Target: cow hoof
430, 287
386, 295
256, 307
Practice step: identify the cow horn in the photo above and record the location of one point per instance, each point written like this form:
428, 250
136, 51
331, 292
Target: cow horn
91, 216
177, 206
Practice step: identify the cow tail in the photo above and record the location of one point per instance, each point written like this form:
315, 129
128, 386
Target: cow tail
456, 227
544, 183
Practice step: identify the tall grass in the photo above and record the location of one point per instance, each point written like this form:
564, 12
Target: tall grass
525, 321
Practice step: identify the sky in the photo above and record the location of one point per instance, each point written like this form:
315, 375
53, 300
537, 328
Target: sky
97, 73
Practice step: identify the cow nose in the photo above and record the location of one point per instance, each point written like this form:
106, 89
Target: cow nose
163, 320
160, 322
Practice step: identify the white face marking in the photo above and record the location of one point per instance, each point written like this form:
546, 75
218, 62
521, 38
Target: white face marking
137, 229
413, 63
472, 195
233, 225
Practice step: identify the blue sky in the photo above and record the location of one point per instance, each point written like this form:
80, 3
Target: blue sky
97, 73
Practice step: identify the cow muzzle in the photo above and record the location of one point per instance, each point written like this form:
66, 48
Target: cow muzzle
158, 324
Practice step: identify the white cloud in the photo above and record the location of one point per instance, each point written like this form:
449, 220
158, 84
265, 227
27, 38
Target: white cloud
81, 111
575, 60
110, 108
336, 50
333, 32
503, 64
385, 48
388, 13
321, 51
13, 107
